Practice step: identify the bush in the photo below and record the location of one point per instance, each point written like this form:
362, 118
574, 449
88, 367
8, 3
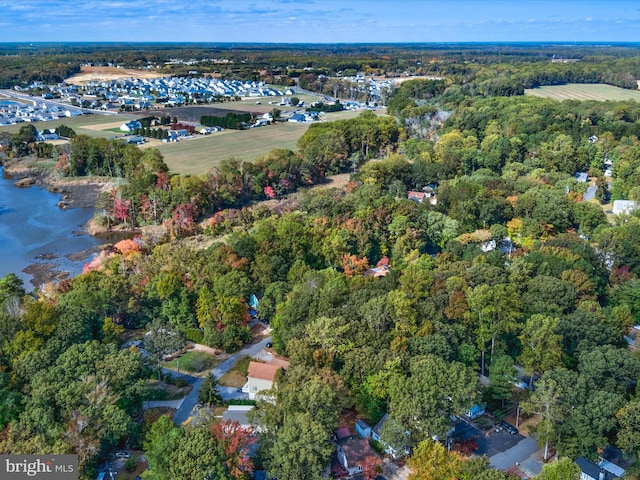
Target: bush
194, 335
377, 446
240, 401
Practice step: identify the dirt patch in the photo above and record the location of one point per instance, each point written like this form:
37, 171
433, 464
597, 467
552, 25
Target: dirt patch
103, 126
232, 379
197, 347
88, 74
166, 391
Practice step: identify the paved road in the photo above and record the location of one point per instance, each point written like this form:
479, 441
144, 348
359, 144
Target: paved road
191, 400
516, 454
22, 96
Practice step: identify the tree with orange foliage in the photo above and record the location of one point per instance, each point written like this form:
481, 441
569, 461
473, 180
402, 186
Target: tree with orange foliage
127, 247
353, 265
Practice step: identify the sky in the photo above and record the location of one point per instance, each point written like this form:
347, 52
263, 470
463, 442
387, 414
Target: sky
319, 21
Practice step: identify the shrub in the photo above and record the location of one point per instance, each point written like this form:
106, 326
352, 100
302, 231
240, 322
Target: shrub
194, 335
240, 401
377, 446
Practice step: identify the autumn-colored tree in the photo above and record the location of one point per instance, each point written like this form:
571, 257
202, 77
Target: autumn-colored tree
121, 209
353, 265
431, 461
370, 468
236, 442
127, 247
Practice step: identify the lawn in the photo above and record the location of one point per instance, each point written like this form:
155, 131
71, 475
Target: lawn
237, 376
94, 125
193, 362
586, 91
201, 153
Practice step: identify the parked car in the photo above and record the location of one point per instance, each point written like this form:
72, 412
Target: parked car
509, 428
269, 345
239, 389
122, 454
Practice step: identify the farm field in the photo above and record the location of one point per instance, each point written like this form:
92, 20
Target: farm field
201, 153
586, 91
249, 105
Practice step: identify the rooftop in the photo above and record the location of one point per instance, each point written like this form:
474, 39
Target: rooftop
263, 371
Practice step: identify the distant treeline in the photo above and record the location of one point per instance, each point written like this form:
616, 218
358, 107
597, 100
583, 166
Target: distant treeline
285, 64
230, 120
24, 71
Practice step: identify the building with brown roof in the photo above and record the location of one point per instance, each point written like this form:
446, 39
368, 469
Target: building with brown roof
261, 376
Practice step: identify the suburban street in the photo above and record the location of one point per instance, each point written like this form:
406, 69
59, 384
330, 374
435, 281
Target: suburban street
30, 98
191, 400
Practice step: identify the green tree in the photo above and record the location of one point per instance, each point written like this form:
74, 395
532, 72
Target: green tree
563, 469
497, 308
160, 443
541, 345
208, 393
300, 449
434, 389
501, 375
162, 340
197, 455
431, 461
629, 434
547, 401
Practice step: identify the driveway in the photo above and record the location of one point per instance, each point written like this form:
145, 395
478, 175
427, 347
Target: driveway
516, 454
191, 400
590, 194
495, 443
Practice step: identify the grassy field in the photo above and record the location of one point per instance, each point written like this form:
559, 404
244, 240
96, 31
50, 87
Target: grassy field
193, 362
90, 125
201, 153
587, 91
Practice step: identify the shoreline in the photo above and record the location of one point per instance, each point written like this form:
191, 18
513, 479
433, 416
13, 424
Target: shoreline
74, 193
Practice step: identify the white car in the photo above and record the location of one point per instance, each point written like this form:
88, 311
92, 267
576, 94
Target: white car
122, 454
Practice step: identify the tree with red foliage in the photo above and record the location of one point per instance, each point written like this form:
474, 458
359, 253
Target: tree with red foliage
236, 442
269, 192
370, 468
121, 209
183, 221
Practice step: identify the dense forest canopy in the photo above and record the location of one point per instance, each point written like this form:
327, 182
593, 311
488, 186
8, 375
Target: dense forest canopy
501, 261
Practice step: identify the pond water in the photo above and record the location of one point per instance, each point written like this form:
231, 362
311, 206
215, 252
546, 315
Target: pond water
35, 231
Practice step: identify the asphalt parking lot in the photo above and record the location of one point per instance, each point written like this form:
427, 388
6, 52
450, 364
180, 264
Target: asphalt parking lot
489, 443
